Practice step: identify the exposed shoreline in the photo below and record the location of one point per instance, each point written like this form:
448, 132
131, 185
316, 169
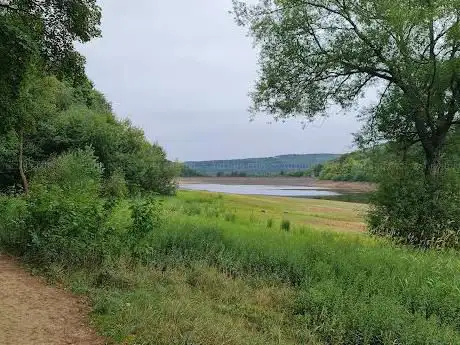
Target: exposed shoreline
349, 187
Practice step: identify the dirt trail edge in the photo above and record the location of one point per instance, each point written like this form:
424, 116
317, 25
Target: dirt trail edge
33, 313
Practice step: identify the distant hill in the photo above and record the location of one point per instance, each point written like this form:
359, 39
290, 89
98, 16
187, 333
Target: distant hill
261, 166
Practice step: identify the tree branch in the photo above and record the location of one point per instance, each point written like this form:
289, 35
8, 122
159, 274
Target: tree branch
375, 72
433, 77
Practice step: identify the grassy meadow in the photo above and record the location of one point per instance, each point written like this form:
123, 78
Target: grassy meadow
225, 269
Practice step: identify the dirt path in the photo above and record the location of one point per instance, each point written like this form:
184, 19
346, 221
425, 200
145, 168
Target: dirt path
32, 313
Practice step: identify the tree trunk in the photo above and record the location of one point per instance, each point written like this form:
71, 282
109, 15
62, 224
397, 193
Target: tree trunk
433, 165
25, 183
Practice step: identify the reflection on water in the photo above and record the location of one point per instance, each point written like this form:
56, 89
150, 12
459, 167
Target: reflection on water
260, 190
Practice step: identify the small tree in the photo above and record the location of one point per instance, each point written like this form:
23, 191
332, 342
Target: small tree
37, 99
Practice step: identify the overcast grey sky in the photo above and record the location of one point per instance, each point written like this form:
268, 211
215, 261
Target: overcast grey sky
182, 70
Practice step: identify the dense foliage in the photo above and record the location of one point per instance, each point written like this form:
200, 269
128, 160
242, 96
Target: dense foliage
357, 166
65, 218
413, 212
40, 35
77, 117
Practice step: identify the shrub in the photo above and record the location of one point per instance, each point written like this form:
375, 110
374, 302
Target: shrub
13, 231
115, 186
413, 211
146, 217
65, 216
75, 171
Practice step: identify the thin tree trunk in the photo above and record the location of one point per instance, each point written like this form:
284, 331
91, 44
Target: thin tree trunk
25, 183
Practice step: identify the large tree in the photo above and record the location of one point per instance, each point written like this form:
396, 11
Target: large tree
317, 53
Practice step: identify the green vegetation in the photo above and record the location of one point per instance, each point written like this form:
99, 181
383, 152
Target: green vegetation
186, 171
96, 210
318, 54
75, 118
259, 166
206, 268
356, 166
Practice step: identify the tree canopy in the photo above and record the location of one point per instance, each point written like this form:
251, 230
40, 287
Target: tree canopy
317, 53
42, 34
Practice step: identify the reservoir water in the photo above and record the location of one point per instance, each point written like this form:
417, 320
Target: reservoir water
290, 191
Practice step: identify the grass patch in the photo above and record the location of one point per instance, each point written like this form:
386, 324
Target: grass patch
210, 278
193, 304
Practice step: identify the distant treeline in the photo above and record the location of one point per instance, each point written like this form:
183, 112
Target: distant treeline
258, 166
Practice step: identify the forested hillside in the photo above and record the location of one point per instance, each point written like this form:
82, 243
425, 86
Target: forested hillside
260, 166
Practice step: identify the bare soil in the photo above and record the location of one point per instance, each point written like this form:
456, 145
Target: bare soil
33, 313
349, 187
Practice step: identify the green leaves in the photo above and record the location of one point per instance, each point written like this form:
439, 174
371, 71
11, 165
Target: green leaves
41, 35
321, 52
316, 54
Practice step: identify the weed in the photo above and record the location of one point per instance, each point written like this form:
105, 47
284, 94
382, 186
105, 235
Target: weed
230, 217
285, 225
270, 223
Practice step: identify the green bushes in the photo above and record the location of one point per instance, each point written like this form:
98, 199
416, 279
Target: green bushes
357, 166
146, 218
413, 211
115, 185
73, 118
65, 220
13, 231
65, 216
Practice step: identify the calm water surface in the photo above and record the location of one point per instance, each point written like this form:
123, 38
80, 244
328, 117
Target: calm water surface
260, 190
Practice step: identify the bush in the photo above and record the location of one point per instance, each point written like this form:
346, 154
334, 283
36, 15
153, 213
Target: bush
13, 231
62, 220
65, 215
115, 186
75, 171
415, 212
146, 217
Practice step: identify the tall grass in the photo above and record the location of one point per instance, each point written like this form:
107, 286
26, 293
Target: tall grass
198, 269
350, 288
